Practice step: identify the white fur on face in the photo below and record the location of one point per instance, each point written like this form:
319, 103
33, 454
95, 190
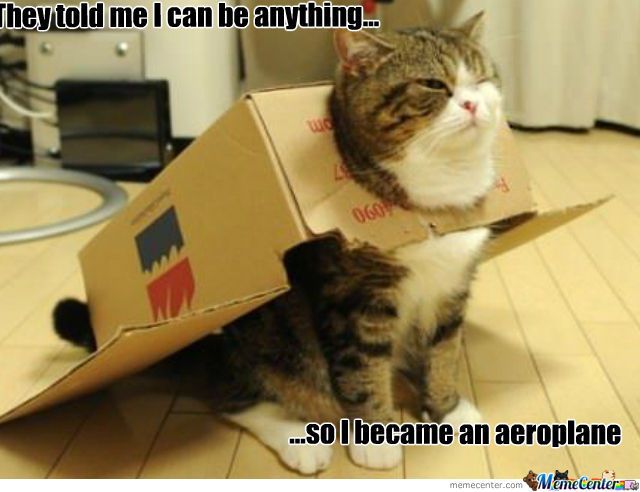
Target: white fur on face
483, 94
450, 163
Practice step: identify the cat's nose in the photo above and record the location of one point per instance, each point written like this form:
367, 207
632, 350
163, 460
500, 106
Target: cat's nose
470, 106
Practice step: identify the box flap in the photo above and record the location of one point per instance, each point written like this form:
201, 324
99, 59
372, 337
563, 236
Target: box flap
212, 227
532, 227
301, 131
131, 350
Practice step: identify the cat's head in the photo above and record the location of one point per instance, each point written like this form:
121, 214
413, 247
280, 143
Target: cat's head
531, 479
609, 475
561, 475
409, 102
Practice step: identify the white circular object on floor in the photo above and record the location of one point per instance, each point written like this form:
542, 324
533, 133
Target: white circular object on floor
113, 199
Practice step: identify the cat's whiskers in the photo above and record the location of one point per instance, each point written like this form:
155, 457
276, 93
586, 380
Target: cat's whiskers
434, 135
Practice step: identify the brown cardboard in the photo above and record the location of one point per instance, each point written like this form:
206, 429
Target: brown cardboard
235, 216
529, 228
203, 243
135, 348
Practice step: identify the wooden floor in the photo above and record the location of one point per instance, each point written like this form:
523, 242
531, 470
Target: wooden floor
553, 333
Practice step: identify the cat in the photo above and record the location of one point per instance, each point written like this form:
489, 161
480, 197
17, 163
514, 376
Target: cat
415, 115
561, 475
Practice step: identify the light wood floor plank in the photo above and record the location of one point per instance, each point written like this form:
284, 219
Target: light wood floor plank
192, 446
615, 262
125, 425
547, 323
64, 361
616, 345
496, 347
618, 168
588, 294
254, 460
343, 467
44, 203
519, 403
611, 257
43, 277
575, 162
43, 206
36, 329
30, 447
580, 390
21, 368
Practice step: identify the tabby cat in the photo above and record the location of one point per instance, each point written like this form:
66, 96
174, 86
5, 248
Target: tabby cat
415, 114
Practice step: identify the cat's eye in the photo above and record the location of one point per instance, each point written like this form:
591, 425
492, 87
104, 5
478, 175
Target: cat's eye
435, 84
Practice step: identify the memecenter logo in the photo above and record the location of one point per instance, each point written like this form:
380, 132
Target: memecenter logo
174, 287
561, 481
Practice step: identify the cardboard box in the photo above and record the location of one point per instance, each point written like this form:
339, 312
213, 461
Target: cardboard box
203, 244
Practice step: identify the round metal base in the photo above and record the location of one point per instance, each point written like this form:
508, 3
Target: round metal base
113, 199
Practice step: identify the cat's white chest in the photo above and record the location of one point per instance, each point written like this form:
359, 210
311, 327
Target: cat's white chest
439, 268
446, 179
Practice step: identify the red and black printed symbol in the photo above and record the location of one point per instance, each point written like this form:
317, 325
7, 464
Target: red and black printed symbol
172, 290
175, 286
156, 241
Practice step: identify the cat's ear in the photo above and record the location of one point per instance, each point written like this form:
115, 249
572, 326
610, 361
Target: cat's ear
474, 27
359, 51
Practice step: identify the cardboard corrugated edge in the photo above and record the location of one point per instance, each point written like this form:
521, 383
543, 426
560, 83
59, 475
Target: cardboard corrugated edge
163, 338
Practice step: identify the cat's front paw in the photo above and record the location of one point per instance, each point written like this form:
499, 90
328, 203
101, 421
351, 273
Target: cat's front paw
376, 456
464, 413
307, 459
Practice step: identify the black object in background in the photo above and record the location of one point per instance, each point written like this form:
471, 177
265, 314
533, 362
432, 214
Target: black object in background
15, 145
119, 129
